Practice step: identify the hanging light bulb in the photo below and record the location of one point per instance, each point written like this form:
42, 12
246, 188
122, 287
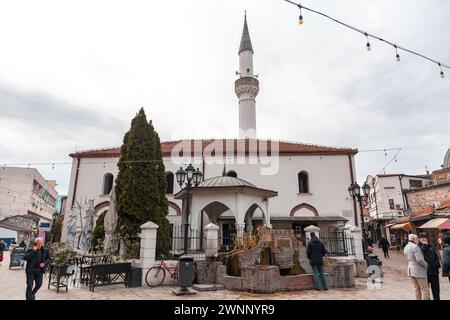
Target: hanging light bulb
396, 54
442, 72
368, 43
300, 18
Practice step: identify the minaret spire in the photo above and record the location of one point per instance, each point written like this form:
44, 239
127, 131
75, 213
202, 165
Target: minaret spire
246, 43
247, 86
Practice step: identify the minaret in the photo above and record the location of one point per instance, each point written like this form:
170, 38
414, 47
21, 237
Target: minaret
246, 87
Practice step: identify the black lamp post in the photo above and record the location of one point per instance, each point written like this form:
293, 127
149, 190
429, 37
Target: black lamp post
355, 192
188, 177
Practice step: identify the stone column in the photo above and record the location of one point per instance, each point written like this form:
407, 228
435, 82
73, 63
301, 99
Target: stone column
249, 223
212, 239
348, 230
357, 242
240, 227
148, 247
310, 229
194, 238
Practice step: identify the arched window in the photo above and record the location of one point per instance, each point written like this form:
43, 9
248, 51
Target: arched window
108, 180
232, 173
169, 178
303, 183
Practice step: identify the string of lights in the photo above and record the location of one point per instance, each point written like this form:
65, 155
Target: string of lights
394, 158
369, 35
54, 164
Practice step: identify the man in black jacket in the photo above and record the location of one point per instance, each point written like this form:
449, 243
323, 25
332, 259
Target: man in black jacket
37, 259
432, 258
315, 253
384, 245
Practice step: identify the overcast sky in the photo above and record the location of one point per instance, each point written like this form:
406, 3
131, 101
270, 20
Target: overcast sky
74, 73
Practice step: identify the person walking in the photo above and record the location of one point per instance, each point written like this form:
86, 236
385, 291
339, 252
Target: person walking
384, 245
432, 258
22, 244
417, 268
37, 258
446, 257
2, 248
315, 253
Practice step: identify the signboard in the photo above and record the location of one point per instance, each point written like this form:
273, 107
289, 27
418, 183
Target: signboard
44, 226
17, 258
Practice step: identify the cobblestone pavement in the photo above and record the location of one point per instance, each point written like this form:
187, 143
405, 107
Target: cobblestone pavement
396, 285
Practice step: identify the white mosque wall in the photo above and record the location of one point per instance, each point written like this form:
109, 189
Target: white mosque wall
329, 178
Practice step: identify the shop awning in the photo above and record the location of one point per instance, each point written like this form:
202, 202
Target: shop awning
445, 225
405, 226
389, 225
435, 223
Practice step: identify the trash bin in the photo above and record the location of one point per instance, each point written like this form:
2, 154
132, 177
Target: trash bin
185, 272
135, 279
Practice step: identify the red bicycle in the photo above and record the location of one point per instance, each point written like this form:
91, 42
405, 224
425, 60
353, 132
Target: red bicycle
155, 276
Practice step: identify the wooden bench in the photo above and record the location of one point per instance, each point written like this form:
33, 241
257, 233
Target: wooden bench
106, 274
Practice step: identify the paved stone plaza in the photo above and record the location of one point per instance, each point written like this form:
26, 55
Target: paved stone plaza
396, 285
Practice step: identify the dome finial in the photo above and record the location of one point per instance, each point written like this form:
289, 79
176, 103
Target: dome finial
224, 172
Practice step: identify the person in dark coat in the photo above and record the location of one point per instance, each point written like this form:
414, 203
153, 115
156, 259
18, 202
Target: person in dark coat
446, 257
384, 245
22, 244
37, 259
2, 248
315, 253
432, 258
370, 241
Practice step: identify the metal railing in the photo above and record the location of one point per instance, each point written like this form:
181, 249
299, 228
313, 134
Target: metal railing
337, 242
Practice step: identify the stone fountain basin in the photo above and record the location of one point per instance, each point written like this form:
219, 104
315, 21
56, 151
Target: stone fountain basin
266, 279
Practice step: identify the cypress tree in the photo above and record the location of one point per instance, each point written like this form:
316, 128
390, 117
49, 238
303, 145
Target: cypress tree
164, 242
138, 185
98, 234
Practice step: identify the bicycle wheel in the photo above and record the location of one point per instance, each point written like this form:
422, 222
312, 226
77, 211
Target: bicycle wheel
155, 276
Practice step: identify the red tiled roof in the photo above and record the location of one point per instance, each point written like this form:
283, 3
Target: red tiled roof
209, 144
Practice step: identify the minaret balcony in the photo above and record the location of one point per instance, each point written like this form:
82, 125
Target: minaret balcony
246, 85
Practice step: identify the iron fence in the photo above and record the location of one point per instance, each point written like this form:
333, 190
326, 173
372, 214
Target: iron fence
226, 239
195, 245
337, 242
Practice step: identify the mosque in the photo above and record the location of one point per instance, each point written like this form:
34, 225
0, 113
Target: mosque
246, 181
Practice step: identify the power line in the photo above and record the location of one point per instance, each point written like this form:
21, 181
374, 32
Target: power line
369, 35
390, 161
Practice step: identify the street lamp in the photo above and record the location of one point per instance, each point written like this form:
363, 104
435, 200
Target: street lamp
188, 177
355, 192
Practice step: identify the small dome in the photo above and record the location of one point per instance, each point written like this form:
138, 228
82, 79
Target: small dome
447, 160
225, 182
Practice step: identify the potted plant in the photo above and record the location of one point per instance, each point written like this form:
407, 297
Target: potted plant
62, 256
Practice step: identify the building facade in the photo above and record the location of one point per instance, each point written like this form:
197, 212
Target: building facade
429, 206
387, 200
27, 200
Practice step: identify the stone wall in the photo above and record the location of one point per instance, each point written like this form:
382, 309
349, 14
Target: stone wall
303, 259
440, 176
207, 271
257, 284
425, 197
